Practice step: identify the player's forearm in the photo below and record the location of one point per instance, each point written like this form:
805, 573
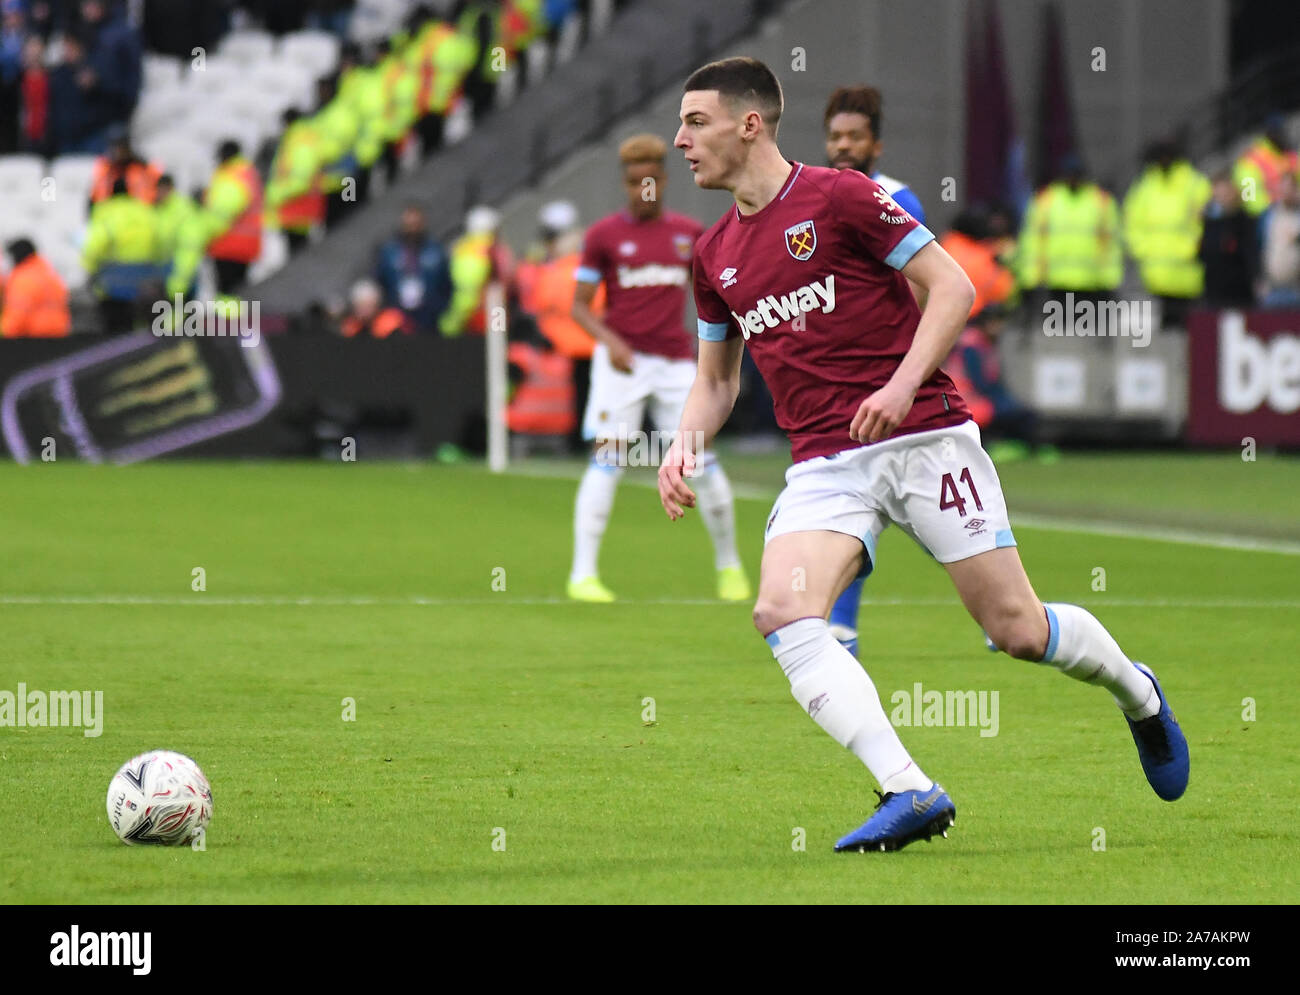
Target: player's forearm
707, 408
592, 325
946, 311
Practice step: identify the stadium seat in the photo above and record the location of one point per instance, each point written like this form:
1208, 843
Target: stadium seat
317, 51
20, 178
290, 85
247, 47
160, 109
217, 74
161, 71
73, 177
189, 162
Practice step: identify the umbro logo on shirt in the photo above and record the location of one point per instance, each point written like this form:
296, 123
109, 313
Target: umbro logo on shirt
728, 277
770, 311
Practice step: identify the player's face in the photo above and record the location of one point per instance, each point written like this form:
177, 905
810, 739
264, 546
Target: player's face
850, 143
710, 139
643, 182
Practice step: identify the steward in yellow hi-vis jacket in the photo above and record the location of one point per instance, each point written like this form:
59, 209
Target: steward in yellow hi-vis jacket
1071, 236
1162, 223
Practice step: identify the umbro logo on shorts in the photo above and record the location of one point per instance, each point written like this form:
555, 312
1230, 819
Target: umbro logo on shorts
817, 703
976, 527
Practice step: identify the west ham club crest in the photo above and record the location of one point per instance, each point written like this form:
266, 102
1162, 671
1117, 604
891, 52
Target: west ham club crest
801, 240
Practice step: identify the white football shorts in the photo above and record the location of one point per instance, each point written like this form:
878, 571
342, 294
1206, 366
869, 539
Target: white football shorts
939, 487
617, 401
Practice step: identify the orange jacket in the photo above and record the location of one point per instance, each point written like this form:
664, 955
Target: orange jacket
546, 292
35, 302
543, 403
141, 180
382, 325
993, 281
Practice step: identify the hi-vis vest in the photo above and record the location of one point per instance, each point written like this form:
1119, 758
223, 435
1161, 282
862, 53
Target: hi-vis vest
1258, 175
471, 268
1162, 227
546, 291
242, 241
543, 402
1071, 240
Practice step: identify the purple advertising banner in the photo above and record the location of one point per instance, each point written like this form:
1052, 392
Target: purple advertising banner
1244, 377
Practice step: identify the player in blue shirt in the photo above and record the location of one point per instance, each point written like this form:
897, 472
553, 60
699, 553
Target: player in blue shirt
852, 122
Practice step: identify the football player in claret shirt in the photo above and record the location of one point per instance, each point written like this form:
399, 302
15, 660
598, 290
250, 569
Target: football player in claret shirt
643, 355
807, 269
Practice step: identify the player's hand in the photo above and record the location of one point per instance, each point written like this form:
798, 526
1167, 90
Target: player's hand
881, 413
673, 492
620, 355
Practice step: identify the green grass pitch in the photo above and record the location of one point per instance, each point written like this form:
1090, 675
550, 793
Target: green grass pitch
489, 716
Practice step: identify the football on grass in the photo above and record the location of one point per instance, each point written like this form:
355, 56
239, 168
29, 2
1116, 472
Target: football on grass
159, 797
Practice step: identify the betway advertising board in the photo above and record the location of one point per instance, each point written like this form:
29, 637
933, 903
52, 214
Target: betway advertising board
1244, 377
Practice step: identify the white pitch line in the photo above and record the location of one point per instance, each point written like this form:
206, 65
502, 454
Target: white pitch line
1050, 523
418, 601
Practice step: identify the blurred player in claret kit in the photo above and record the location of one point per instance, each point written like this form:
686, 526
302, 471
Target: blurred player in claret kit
807, 269
643, 354
853, 120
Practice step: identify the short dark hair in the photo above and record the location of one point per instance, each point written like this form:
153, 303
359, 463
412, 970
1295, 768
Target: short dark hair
864, 100
742, 80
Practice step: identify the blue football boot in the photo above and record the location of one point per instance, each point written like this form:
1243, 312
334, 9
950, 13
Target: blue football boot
902, 818
1162, 747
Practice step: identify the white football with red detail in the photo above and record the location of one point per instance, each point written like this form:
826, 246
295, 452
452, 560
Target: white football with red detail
160, 797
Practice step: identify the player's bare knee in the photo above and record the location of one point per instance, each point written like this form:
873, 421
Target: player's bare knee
1018, 633
772, 612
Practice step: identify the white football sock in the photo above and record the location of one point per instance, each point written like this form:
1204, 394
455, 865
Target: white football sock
591, 515
717, 508
832, 687
1080, 646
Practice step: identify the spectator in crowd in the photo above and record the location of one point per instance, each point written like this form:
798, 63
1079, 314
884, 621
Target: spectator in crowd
1229, 248
229, 229
415, 272
295, 196
546, 288
1280, 256
121, 162
477, 258
367, 317
114, 55
121, 256
35, 299
337, 125
173, 211
79, 110
541, 404
13, 37
971, 243
1009, 427
34, 85
1162, 228
1070, 241
1258, 173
